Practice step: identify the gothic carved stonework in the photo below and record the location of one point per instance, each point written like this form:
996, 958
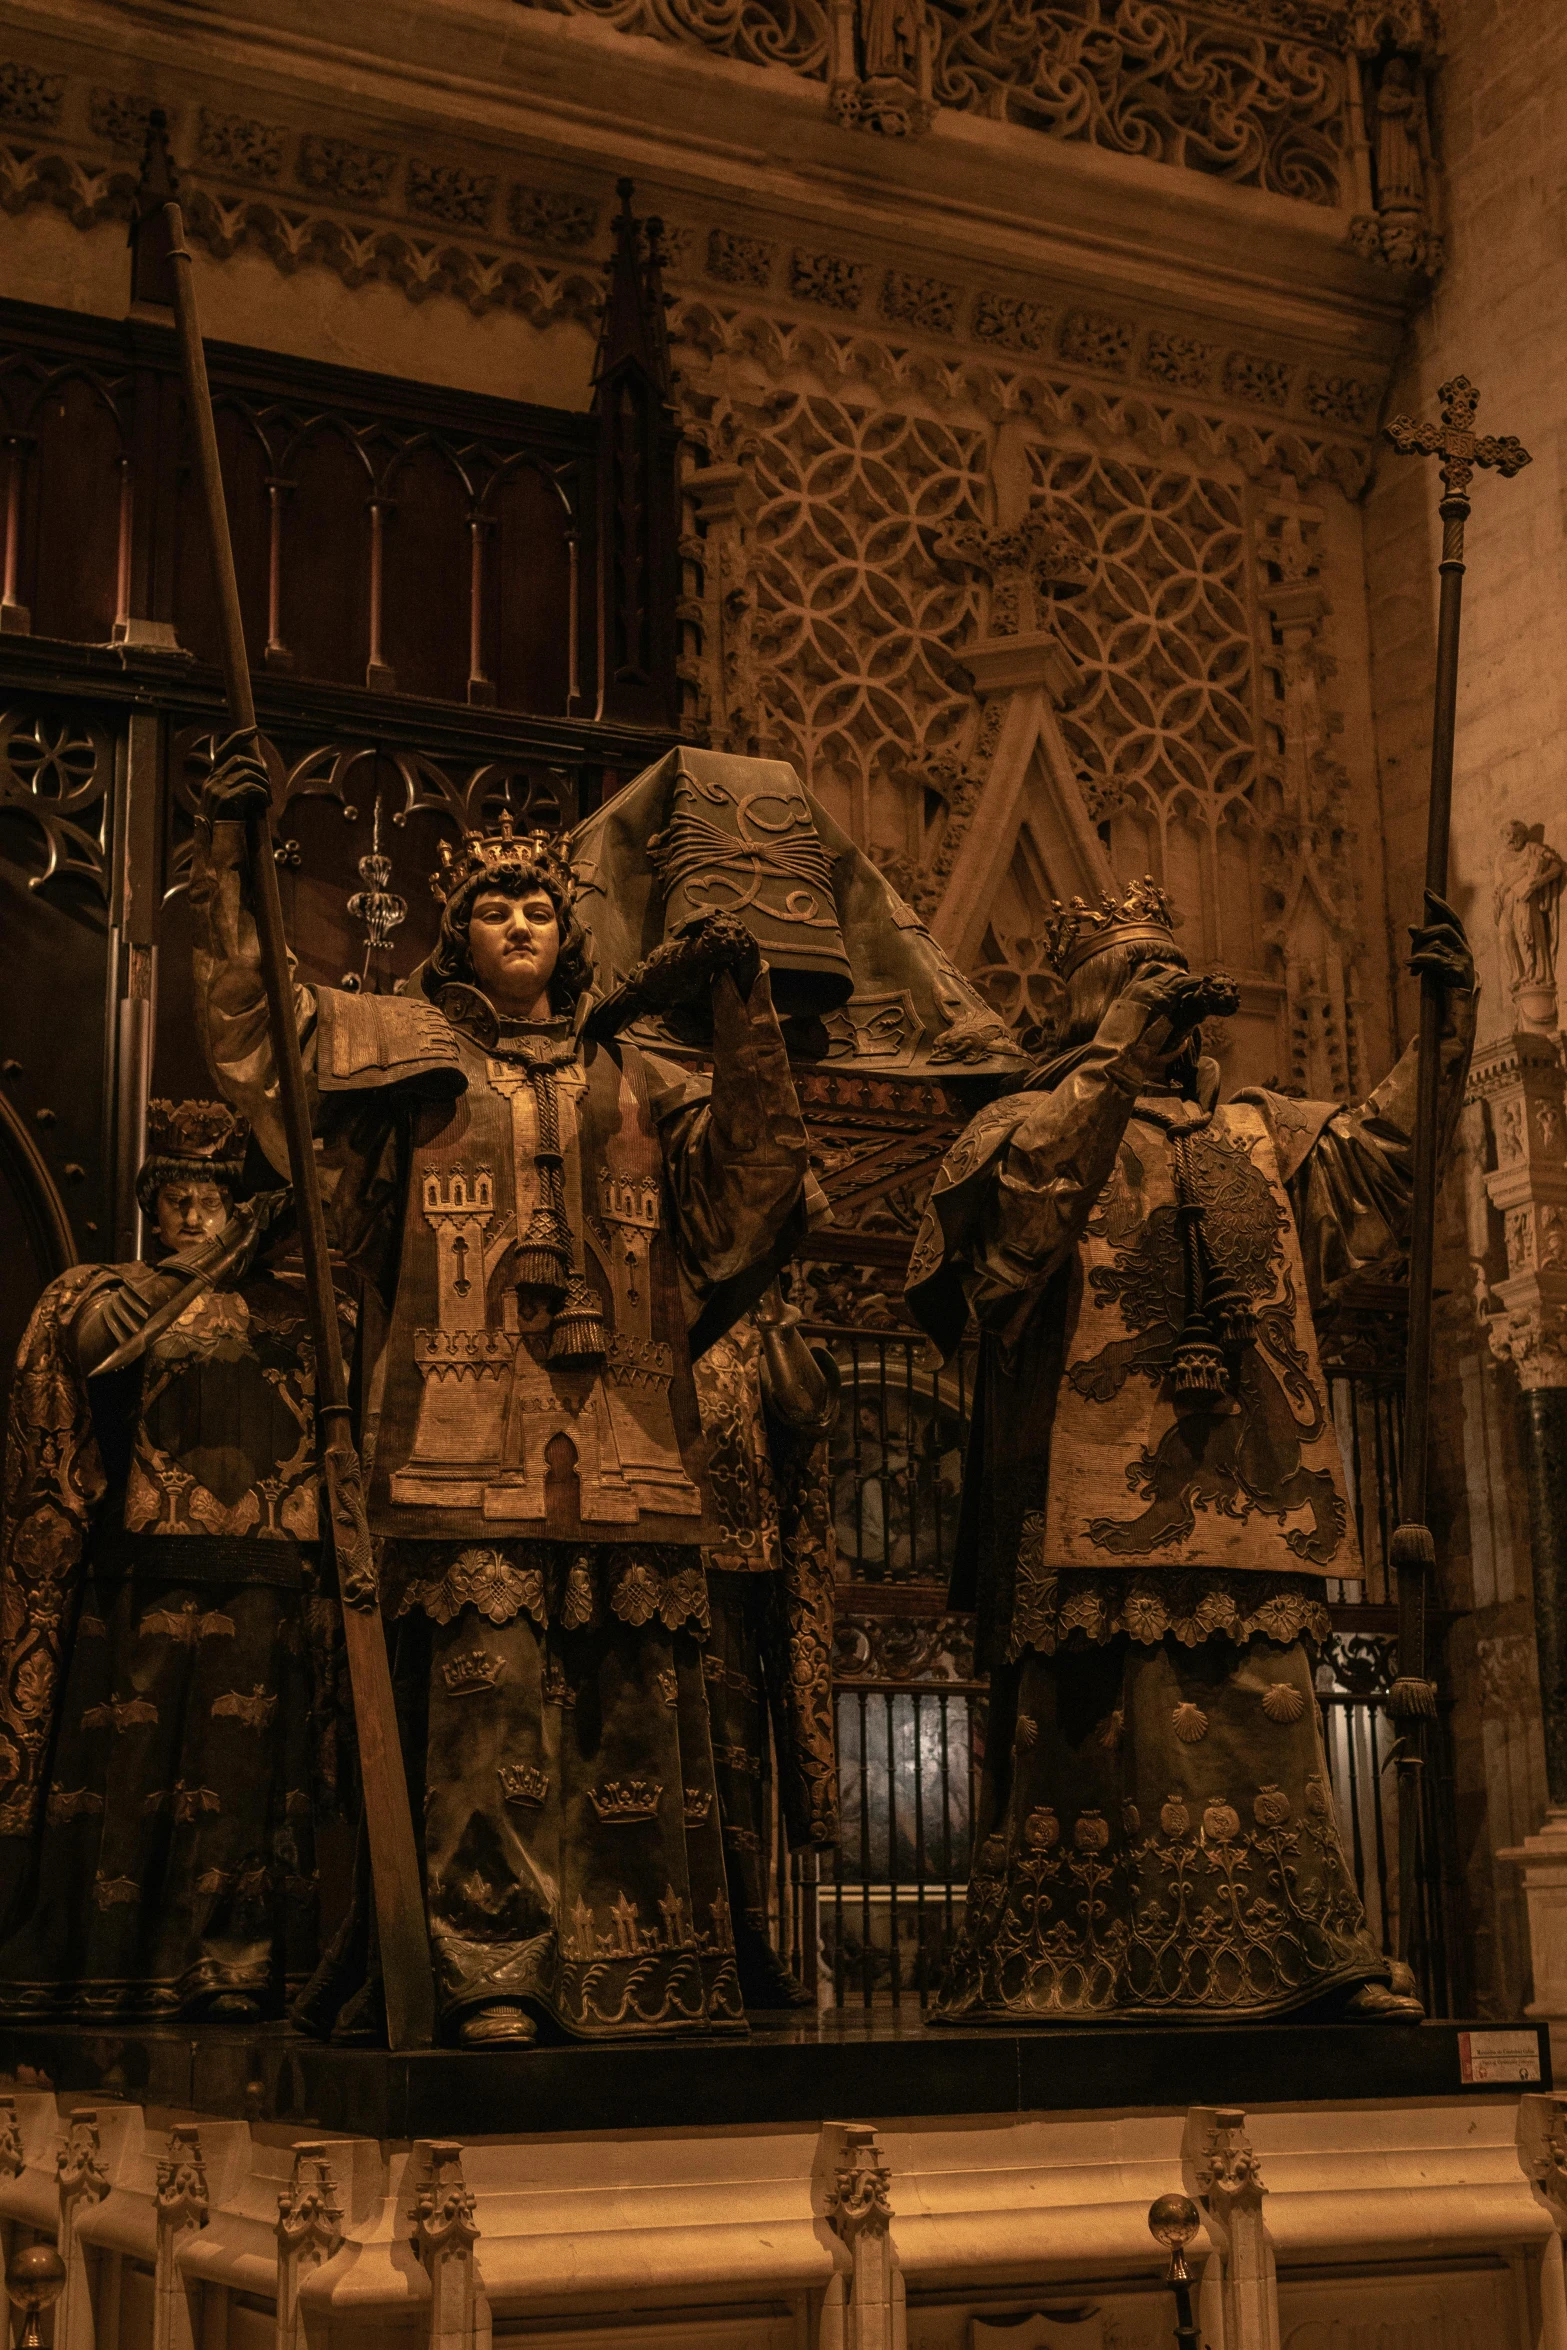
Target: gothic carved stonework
309, 2215
859, 2203
79, 2166
12, 2158
1259, 103
1527, 879
1227, 2170
443, 2213
1311, 921
181, 2195
1517, 1118
1394, 51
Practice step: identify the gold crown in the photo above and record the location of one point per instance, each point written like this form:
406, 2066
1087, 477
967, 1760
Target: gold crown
196, 1130
1074, 932
480, 853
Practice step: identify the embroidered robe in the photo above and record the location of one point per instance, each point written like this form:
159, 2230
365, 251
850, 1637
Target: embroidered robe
1156, 1831
542, 1513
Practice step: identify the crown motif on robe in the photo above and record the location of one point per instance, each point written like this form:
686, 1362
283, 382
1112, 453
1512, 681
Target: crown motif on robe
198, 1131
481, 853
473, 1670
1074, 932
620, 1801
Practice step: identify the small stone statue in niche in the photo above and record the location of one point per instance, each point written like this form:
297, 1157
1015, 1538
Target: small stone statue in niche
769, 1404
1526, 895
1154, 1495
168, 1710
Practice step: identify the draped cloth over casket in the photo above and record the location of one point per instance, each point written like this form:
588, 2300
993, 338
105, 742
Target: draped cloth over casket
703, 831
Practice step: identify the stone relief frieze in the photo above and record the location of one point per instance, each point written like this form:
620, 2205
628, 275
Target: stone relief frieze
1015, 324
1157, 81
237, 144
30, 97
1252, 91
342, 167
449, 192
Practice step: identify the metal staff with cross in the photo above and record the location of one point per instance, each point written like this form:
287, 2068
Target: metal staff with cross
1413, 1698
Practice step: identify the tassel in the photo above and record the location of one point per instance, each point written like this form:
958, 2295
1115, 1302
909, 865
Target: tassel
544, 1255
577, 1332
1229, 1313
1198, 1377
1410, 1699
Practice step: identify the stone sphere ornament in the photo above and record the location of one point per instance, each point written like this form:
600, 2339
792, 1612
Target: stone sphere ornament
34, 2279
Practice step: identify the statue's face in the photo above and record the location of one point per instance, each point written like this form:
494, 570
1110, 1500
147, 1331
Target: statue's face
191, 1210
513, 946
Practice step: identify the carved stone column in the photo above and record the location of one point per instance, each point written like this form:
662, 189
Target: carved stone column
309, 2231
181, 2204
444, 2234
1516, 1091
83, 2178
863, 2309
1229, 2181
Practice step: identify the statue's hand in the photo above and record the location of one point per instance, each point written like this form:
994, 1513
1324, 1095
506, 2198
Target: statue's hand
239, 786
1152, 1020
1439, 946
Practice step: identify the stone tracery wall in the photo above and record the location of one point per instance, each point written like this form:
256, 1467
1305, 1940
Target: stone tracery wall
832, 479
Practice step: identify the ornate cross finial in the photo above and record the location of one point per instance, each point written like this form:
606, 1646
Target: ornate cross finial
1455, 441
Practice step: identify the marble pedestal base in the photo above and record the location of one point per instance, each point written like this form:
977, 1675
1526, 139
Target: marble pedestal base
977, 2221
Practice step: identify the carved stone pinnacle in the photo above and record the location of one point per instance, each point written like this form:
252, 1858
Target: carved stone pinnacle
860, 2202
443, 2213
182, 2180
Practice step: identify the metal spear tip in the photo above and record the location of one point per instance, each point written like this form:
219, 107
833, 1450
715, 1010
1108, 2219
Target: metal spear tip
1173, 2220
35, 2279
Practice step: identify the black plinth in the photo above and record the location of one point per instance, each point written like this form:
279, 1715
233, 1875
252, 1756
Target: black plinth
836, 2068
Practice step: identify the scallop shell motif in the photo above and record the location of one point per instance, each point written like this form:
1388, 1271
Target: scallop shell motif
1174, 1818
1041, 1829
1110, 1735
1221, 1821
1283, 1702
1271, 1807
1092, 1832
1027, 1732
1190, 1722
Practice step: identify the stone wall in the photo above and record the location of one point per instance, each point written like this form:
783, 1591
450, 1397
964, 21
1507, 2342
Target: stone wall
1492, 317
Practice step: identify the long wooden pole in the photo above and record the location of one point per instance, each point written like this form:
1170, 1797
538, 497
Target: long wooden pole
394, 1859
1413, 1697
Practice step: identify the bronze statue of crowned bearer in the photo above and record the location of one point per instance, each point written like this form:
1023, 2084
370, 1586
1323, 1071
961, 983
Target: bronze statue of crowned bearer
1154, 1495
169, 1664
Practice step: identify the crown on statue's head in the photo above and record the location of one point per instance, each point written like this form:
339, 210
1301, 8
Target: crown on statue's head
482, 855
202, 1132
1074, 932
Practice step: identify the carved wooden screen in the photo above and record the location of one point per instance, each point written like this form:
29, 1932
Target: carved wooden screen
418, 574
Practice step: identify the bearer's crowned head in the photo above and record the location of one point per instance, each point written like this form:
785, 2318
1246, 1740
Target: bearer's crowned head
186, 1185
508, 927
1096, 950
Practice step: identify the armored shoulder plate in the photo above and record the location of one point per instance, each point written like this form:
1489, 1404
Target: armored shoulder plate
373, 1040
